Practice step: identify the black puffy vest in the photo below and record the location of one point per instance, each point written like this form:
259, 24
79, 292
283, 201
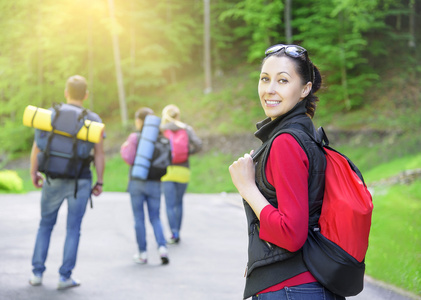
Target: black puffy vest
269, 264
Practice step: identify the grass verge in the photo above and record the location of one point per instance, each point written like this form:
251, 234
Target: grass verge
209, 174
394, 253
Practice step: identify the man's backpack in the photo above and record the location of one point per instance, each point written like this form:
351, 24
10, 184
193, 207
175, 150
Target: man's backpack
179, 145
336, 247
63, 156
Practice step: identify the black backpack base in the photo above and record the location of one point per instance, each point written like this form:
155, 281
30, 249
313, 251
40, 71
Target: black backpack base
335, 269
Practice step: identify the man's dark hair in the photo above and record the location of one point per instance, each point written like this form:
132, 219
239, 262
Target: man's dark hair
76, 87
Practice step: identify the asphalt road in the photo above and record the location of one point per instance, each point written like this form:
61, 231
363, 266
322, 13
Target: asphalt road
208, 263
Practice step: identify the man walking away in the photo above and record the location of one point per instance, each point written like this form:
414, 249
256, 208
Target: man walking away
67, 177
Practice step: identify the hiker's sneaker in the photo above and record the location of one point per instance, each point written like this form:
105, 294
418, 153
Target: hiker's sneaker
64, 283
163, 253
174, 240
35, 280
141, 258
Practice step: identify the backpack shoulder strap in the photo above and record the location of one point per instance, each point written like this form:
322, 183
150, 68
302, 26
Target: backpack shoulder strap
260, 150
56, 111
304, 138
83, 114
295, 129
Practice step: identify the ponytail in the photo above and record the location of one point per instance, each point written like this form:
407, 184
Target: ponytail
312, 99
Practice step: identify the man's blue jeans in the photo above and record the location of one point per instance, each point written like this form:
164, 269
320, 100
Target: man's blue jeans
53, 195
148, 192
309, 291
174, 193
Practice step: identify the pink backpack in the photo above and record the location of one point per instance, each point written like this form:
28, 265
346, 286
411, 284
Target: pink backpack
179, 145
128, 149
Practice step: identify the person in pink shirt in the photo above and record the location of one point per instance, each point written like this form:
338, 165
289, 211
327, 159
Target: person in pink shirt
144, 194
282, 187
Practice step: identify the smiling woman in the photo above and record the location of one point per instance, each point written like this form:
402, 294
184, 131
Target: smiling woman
281, 185
280, 86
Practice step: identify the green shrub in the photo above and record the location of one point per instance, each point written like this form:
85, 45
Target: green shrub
10, 181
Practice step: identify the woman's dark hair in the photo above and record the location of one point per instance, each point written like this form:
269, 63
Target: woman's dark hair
141, 113
307, 71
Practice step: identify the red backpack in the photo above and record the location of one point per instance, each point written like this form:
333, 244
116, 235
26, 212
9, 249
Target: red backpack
347, 206
179, 145
335, 249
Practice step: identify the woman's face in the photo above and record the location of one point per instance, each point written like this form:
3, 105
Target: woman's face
138, 123
280, 86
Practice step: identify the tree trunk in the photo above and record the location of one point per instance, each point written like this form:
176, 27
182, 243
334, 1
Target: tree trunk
411, 42
344, 78
90, 64
40, 65
132, 51
173, 75
287, 17
207, 62
119, 73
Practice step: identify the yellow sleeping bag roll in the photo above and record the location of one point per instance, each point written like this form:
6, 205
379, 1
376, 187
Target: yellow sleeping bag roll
40, 118
177, 174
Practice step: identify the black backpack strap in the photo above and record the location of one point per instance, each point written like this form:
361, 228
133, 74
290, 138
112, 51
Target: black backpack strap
83, 115
260, 150
90, 199
85, 162
321, 138
75, 158
47, 151
33, 117
301, 134
322, 134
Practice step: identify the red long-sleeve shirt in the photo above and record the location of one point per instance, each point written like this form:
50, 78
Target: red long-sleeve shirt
287, 226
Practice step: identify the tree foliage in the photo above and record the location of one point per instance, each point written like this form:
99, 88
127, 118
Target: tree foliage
161, 43
45, 42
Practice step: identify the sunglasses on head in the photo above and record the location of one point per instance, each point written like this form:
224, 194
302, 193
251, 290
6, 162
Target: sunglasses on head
290, 50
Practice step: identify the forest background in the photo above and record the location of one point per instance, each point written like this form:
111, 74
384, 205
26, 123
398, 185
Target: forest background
204, 56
